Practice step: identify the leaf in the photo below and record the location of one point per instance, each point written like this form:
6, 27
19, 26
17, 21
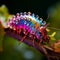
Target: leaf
54, 20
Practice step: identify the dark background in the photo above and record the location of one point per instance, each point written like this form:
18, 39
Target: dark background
35, 6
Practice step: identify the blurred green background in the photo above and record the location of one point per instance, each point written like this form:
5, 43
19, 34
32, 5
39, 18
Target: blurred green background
10, 48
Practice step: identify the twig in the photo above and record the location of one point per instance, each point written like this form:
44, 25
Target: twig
44, 49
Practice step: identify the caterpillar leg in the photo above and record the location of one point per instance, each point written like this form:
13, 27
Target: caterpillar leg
19, 31
33, 42
24, 37
40, 41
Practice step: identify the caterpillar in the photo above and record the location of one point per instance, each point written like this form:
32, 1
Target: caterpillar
28, 26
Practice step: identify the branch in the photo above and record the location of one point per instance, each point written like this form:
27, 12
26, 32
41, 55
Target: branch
47, 51
26, 41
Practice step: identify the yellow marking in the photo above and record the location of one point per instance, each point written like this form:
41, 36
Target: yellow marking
52, 36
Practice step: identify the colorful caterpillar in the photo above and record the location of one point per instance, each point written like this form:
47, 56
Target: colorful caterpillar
29, 26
